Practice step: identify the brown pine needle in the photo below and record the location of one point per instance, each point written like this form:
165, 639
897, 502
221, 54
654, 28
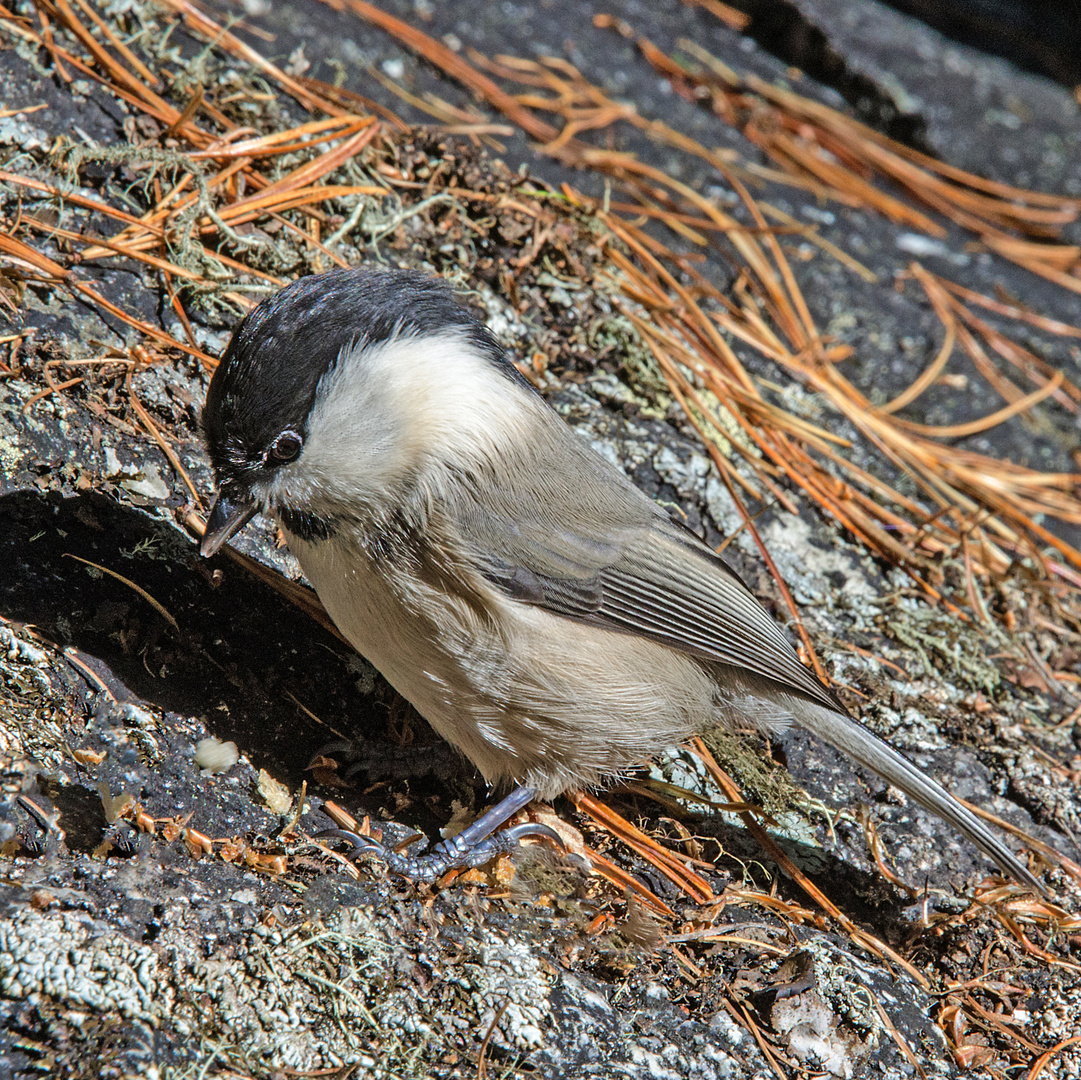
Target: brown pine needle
973, 427
626, 883
669, 863
131, 585
16, 248
1045, 1058
730, 16
157, 436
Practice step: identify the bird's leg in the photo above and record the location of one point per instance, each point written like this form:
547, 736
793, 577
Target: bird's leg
473, 846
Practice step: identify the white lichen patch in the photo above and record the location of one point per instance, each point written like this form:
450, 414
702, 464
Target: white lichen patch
10, 450
670, 1062
507, 975
500, 980
820, 577
307, 997
68, 958
148, 484
693, 476
814, 1036
14, 647
832, 1026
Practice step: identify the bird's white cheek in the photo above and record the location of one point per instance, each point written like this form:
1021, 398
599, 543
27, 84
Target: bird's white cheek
297, 487
350, 472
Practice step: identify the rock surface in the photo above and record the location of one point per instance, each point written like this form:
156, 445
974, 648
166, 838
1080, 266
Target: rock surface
162, 919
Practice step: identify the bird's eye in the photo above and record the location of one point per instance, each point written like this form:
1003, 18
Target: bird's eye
286, 448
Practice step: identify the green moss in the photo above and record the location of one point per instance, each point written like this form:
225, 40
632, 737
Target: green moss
942, 644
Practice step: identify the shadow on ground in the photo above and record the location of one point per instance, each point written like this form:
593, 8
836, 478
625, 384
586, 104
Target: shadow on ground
239, 657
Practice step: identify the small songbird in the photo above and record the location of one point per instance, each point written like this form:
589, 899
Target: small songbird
545, 616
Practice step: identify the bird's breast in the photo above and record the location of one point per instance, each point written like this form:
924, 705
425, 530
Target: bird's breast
390, 618
522, 692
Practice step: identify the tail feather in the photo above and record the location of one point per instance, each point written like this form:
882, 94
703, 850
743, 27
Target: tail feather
853, 739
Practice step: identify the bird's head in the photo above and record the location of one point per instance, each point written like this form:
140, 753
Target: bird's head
335, 392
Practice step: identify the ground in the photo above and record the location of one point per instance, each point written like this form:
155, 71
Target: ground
165, 908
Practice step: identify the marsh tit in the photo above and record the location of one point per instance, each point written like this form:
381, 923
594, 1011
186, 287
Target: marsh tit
544, 615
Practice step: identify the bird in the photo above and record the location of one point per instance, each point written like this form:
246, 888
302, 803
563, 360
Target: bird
544, 615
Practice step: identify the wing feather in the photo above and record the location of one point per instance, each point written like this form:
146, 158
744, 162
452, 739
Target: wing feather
600, 551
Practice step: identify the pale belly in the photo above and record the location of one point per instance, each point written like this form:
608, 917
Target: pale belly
373, 619
527, 696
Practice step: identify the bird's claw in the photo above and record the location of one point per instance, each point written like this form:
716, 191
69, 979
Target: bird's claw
450, 854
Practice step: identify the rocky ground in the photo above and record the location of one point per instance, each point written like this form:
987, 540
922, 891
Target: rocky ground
165, 911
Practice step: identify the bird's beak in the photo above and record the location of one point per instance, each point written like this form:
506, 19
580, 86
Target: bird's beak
227, 518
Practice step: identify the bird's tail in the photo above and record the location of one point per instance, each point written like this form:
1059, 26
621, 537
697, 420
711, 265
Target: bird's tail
853, 739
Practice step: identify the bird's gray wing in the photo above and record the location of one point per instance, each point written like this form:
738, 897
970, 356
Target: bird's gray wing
595, 549
661, 585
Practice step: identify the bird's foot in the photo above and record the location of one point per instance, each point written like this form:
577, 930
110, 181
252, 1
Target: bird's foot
446, 855
473, 846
